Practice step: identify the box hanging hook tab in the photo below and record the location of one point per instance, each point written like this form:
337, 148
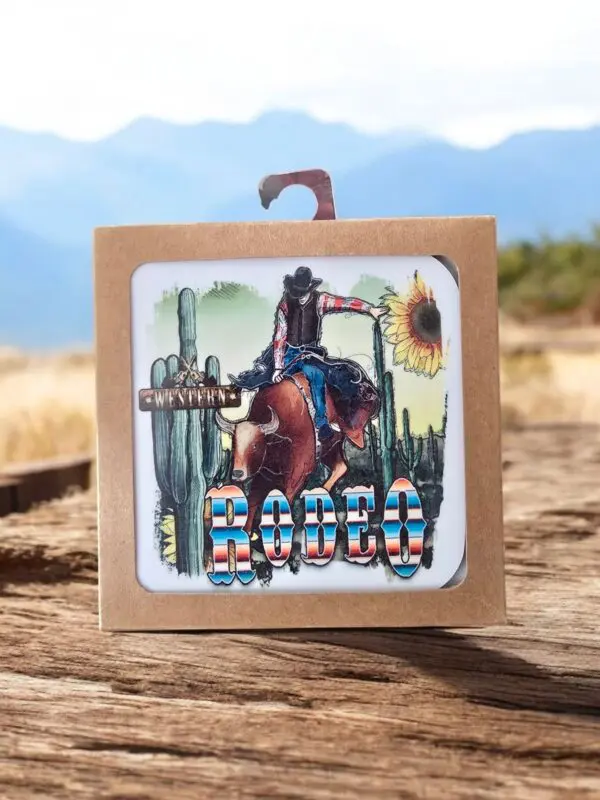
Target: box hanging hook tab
317, 180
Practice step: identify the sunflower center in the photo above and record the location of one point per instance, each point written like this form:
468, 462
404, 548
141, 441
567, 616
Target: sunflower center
426, 321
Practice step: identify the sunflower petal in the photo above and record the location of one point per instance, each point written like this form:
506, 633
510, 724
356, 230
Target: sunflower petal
402, 334
404, 354
397, 306
420, 286
399, 356
394, 332
428, 364
413, 355
405, 345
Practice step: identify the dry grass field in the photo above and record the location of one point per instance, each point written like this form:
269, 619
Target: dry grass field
46, 405
549, 375
47, 402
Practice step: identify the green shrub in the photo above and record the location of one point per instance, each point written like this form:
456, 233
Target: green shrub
550, 276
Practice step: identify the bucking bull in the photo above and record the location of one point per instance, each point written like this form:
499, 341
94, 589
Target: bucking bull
275, 446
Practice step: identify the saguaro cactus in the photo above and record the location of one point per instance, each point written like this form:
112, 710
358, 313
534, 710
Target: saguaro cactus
388, 387
187, 446
188, 484
172, 366
194, 506
433, 456
186, 314
161, 430
409, 454
445, 417
386, 424
373, 451
211, 435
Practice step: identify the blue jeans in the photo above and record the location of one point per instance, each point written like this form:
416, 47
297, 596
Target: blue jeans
316, 381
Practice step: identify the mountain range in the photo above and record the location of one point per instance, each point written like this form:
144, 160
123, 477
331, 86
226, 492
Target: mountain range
53, 192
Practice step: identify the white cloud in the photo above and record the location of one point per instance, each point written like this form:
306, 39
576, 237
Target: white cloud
468, 69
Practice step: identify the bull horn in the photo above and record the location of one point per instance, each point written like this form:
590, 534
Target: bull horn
272, 426
224, 424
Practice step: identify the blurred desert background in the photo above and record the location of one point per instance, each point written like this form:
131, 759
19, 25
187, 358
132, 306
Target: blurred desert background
46, 406
549, 359
548, 375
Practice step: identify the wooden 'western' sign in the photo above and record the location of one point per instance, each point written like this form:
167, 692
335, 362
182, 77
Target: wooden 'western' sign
188, 397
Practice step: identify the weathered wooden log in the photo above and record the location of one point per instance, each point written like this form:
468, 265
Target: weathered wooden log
27, 484
9, 501
507, 712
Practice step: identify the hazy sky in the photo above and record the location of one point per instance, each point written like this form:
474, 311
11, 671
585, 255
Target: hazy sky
470, 70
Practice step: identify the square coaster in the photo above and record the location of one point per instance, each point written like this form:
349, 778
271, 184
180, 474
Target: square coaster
298, 425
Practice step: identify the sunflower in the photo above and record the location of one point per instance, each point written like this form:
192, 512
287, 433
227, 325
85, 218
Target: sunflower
414, 328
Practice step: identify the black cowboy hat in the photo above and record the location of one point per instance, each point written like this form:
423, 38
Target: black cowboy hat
300, 282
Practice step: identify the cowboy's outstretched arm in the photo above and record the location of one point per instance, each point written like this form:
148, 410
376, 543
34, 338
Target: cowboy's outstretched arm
335, 304
279, 339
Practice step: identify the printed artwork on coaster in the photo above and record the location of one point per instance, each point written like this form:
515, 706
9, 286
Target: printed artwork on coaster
298, 425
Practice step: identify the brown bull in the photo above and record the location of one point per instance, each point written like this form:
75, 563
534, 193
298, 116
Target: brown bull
275, 446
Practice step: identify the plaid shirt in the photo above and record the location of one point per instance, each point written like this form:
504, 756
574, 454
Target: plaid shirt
326, 304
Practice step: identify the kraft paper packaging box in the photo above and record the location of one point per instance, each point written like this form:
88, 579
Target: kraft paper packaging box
299, 425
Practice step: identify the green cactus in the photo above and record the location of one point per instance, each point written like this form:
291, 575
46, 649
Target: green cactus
178, 469
445, 417
211, 435
372, 437
433, 456
188, 451
186, 312
378, 353
161, 430
387, 404
188, 484
410, 456
177, 437
172, 366
194, 511
388, 385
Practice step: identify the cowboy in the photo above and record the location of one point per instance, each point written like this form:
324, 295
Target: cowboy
298, 332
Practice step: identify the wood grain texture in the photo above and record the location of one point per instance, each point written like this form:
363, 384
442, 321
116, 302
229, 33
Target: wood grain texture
511, 711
